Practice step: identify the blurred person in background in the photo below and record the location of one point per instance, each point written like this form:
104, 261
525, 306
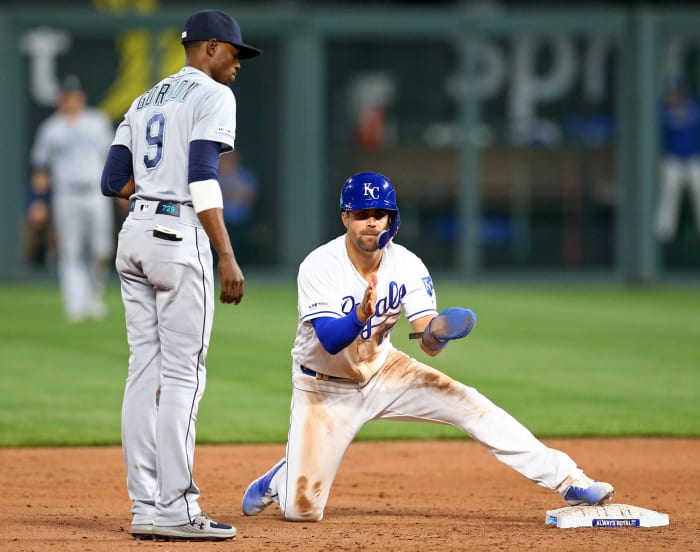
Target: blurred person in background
680, 164
69, 151
239, 187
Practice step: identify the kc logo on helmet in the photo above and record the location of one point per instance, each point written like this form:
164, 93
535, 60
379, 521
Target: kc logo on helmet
371, 190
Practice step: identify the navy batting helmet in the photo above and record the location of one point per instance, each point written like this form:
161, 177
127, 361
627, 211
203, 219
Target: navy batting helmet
368, 190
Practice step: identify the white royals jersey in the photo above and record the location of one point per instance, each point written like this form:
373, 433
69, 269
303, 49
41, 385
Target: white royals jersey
329, 285
161, 123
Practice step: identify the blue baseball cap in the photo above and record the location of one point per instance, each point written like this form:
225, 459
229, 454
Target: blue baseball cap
208, 24
70, 83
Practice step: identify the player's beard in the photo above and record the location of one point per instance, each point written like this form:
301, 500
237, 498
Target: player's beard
367, 243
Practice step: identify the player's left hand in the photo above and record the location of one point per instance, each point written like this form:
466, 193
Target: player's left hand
232, 281
452, 323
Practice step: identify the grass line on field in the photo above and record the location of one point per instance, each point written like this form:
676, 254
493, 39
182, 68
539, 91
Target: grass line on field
565, 360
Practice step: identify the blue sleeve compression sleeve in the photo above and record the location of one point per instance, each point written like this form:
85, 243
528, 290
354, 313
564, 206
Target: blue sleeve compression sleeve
204, 160
117, 171
337, 333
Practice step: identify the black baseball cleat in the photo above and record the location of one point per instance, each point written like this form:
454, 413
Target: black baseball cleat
141, 530
202, 527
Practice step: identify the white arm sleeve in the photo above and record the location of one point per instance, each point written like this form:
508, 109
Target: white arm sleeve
206, 194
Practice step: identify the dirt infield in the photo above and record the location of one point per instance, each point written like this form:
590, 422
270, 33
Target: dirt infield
447, 495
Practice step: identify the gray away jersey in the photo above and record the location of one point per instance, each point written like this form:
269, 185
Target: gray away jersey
73, 150
161, 123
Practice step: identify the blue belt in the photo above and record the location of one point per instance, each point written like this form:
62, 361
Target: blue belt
164, 208
324, 377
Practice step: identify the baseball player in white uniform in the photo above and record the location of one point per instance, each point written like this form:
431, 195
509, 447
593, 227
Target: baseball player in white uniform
346, 372
67, 157
165, 157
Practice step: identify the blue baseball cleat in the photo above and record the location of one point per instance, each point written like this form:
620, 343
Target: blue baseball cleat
258, 495
587, 491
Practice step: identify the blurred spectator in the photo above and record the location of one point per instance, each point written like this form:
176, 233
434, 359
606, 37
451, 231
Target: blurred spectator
371, 95
67, 157
239, 187
680, 165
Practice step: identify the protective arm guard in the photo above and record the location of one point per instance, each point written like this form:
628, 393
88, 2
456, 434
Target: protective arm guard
385, 237
452, 323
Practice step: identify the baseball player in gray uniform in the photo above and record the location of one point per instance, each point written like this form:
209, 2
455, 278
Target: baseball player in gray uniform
165, 157
346, 372
67, 157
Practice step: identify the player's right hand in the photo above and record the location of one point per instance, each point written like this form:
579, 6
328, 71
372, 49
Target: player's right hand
367, 308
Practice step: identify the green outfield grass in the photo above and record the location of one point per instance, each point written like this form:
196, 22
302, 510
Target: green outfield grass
566, 361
